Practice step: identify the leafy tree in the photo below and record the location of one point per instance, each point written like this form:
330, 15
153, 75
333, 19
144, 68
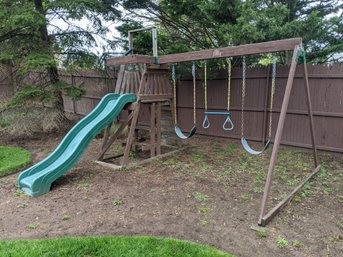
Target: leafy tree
201, 24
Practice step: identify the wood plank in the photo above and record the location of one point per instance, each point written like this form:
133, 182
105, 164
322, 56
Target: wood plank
153, 129
142, 84
113, 157
130, 59
160, 84
114, 137
154, 158
257, 48
155, 98
147, 84
130, 138
278, 135
120, 79
131, 106
137, 80
132, 165
167, 87
109, 165
123, 83
158, 128
287, 199
249, 49
106, 136
310, 114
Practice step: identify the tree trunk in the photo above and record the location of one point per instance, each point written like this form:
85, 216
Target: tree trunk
52, 71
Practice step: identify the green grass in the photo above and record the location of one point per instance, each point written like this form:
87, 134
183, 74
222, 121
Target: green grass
281, 242
261, 233
13, 158
246, 197
82, 186
200, 197
117, 202
107, 246
31, 226
298, 244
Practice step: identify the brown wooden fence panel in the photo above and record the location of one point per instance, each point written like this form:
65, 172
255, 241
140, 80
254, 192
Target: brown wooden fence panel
96, 85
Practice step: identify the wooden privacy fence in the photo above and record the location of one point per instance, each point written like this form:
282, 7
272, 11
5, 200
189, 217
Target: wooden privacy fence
326, 85
96, 85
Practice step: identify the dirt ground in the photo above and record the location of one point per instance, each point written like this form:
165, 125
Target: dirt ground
209, 193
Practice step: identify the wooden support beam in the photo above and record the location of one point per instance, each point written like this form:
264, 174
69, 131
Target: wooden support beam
310, 115
109, 165
155, 98
278, 135
158, 128
130, 136
131, 165
106, 136
257, 48
271, 214
153, 129
113, 157
130, 59
115, 136
249, 49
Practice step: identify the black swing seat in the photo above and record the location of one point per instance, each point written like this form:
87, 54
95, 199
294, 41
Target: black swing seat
180, 134
247, 148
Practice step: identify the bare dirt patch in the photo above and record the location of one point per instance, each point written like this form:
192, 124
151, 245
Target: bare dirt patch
209, 193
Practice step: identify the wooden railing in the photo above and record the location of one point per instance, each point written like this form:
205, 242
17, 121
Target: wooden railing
154, 86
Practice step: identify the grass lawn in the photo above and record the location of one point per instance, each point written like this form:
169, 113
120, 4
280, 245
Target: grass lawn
107, 246
12, 158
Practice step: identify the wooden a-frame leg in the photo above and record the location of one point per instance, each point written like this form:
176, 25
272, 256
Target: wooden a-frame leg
110, 140
106, 136
310, 114
153, 129
130, 137
158, 128
278, 135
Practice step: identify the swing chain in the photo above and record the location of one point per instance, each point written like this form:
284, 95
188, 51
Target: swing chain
194, 93
272, 97
193, 69
205, 83
243, 94
228, 83
174, 88
173, 72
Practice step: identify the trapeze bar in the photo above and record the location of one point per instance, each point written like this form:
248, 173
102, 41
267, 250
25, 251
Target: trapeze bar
217, 113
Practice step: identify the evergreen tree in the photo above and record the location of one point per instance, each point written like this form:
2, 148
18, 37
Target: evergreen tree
31, 40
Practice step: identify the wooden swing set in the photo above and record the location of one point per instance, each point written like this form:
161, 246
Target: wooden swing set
151, 85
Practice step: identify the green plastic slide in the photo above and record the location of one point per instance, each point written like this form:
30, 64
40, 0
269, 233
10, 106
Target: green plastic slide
36, 180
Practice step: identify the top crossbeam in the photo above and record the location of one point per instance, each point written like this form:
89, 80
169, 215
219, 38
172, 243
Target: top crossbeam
231, 51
